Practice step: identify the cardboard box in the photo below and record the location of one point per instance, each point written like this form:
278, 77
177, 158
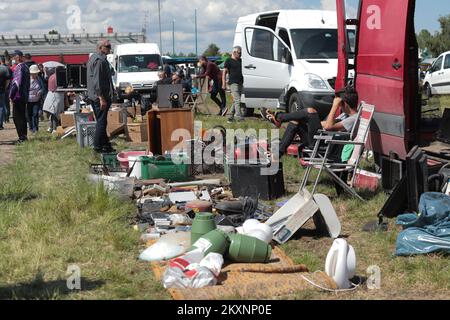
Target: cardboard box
114, 129
67, 120
115, 117
137, 132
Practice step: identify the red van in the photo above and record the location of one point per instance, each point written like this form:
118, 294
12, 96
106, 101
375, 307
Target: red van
386, 75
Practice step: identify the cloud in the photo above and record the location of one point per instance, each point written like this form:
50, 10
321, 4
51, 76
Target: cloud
216, 19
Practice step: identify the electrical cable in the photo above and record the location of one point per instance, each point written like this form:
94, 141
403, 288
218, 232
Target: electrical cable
355, 286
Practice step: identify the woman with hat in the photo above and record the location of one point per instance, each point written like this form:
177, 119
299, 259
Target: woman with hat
34, 99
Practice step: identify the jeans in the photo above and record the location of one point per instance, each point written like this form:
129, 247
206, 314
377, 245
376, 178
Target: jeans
101, 139
217, 89
2, 109
20, 119
236, 92
33, 109
53, 121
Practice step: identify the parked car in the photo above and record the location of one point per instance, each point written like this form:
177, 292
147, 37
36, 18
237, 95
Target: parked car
437, 78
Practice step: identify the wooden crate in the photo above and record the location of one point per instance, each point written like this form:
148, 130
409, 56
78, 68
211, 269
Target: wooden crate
137, 132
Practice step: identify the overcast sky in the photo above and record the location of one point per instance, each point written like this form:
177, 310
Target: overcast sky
216, 19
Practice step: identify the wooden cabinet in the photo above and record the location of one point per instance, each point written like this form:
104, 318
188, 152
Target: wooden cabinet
164, 123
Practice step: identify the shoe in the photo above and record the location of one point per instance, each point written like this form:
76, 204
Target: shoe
230, 120
50, 130
224, 112
1, 128
20, 141
270, 116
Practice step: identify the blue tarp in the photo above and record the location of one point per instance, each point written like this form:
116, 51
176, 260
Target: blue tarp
429, 231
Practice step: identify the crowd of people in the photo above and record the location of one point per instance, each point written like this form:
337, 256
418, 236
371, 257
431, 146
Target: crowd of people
27, 90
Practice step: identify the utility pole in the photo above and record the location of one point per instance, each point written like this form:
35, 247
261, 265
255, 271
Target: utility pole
144, 27
173, 37
159, 18
196, 38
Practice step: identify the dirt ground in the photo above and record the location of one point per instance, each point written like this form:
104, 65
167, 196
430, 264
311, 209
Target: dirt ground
8, 137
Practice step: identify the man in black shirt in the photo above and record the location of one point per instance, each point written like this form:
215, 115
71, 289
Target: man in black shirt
233, 67
100, 93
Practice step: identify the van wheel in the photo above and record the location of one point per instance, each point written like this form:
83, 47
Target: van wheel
247, 112
428, 92
295, 103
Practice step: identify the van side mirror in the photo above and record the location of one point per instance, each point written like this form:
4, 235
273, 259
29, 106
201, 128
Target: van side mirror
287, 56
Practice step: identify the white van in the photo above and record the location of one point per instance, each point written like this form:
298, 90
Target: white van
437, 78
136, 65
289, 59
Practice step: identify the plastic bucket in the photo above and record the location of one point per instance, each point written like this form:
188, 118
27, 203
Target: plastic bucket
215, 241
123, 157
247, 249
141, 167
202, 224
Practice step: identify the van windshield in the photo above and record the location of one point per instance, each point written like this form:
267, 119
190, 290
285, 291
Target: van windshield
139, 63
318, 43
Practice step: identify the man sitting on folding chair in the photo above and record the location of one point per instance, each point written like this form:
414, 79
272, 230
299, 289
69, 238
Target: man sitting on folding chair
351, 146
306, 122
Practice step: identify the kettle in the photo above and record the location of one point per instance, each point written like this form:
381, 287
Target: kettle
341, 263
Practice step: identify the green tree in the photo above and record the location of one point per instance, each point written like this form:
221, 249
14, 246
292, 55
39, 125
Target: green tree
53, 32
213, 50
439, 41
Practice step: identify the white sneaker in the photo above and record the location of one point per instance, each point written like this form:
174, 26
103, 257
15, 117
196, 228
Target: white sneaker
50, 130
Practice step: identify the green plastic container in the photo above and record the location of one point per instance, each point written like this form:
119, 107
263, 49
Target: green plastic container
165, 168
247, 249
215, 241
110, 160
144, 161
202, 224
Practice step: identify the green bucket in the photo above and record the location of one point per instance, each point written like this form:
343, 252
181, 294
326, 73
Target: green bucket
215, 241
202, 224
247, 249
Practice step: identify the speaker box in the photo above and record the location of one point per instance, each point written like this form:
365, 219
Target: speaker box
61, 77
77, 76
247, 180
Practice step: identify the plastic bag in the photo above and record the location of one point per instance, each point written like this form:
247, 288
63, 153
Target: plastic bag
175, 278
191, 271
428, 232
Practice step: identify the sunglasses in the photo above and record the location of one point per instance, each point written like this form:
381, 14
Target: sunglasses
237, 52
107, 47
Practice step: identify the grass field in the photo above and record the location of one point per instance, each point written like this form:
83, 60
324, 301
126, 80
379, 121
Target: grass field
51, 217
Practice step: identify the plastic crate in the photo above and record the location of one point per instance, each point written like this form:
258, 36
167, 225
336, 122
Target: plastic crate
81, 118
110, 160
165, 168
86, 134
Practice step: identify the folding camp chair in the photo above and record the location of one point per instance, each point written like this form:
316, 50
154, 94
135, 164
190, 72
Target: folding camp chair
333, 168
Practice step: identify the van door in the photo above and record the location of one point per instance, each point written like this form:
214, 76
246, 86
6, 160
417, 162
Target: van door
386, 73
266, 66
446, 76
437, 75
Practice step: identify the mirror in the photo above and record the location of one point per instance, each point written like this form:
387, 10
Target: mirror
287, 56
